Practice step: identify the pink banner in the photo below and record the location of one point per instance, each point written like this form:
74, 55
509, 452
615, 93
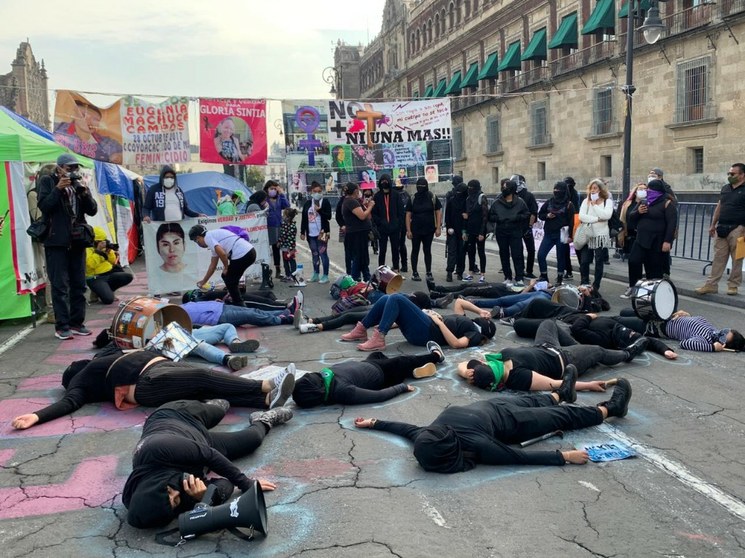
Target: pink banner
232, 131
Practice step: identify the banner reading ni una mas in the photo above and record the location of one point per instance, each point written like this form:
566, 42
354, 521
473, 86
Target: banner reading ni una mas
129, 131
403, 139
232, 131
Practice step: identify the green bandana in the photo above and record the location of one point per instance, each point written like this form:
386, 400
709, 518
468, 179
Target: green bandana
497, 367
327, 374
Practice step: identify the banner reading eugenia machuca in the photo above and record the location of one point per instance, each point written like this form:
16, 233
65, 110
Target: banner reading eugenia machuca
175, 263
232, 131
400, 138
129, 131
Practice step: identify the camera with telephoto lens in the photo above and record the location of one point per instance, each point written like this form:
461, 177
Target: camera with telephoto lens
115, 247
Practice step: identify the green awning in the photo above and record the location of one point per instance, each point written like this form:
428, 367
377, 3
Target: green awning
566, 34
603, 18
537, 48
440, 91
427, 92
489, 69
643, 5
470, 79
454, 85
511, 60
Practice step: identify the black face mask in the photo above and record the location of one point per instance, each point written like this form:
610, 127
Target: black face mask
421, 188
385, 186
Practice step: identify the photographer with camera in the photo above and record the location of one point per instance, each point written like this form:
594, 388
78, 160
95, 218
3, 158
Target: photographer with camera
64, 202
103, 274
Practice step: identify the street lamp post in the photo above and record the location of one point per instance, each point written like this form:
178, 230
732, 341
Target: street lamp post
330, 75
652, 29
278, 126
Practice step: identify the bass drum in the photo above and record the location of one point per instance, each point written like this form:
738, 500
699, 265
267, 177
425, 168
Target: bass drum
139, 319
567, 295
654, 300
389, 281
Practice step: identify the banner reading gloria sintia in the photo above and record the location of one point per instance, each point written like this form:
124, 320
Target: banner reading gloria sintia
175, 263
402, 139
232, 131
129, 131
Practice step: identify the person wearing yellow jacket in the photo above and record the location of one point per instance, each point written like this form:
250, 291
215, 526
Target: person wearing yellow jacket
103, 274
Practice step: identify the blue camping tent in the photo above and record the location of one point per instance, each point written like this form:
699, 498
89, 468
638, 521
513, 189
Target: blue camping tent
201, 188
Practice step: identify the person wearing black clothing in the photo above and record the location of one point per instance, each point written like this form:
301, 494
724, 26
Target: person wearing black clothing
463, 436
339, 216
315, 227
656, 173
574, 198
146, 378
64, 201
357, 227
423, 221
475, 217
175, 451
455, 206
528, 239
482, 290
556, 213
611, 332
727, 226
510, 216
374, 380
541, 366
654, 220
166, 201
405, 200
388, 215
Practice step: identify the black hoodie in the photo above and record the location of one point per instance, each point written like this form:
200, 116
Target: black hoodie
509, 217
155, 201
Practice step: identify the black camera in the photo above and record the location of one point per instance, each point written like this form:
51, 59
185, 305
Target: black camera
115, 247
74, 175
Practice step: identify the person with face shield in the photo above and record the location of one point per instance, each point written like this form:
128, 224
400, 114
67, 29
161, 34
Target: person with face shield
315, 227
510, 216
166, 201
388, 214
556, 213
455, 205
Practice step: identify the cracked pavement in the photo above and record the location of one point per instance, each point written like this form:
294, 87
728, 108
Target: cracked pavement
344, 492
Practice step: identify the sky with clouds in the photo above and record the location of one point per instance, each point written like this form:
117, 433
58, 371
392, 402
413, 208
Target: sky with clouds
227, 48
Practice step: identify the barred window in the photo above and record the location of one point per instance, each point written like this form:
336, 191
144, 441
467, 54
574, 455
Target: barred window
539, 122
458, 143
602, 111
493, 137
694, 91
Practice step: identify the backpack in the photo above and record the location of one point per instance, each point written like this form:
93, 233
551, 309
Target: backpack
615, 226
347, 303
238, 231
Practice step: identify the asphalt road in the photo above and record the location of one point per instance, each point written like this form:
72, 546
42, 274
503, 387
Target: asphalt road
349, 493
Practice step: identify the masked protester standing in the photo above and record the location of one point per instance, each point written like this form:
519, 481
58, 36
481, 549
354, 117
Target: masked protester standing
358, 226
64, 201
556, 213
455, 206
277, 203
165, 201
529, 199
657, 173
388, 214
405, 200
574, 198
475, 218
423, 222
510, 215
315, 226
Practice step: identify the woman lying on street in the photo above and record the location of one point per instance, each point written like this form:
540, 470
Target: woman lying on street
420, 326
374, 380
145, 378
463, 436
541, 367
175, 450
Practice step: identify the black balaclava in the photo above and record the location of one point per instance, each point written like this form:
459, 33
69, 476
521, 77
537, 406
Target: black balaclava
437, 448
384, 182
510, 188
456, 181
309, 390
474, 189
422, 187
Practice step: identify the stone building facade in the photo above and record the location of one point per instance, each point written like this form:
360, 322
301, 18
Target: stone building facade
537, 86
24, 90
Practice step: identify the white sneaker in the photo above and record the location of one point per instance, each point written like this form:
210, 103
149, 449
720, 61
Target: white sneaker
309, 328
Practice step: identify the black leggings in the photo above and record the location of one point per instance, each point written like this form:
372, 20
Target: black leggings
105, 284
583, 357
472, 246
400, 368
494, 290
350, 317
168, 381
425, 240
511, 245
236, 269
232, 445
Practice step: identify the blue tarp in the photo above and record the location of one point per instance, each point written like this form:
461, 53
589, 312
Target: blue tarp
112, 180
200, 188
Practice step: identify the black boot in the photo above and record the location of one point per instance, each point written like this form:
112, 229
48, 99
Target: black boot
559, 280
566, 391
636, 348
618, 405
443, 301
266, 277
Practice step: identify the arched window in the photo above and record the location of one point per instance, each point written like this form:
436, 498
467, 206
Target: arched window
424, 35
429, 31
458, 11
452, 16
467, 5
418, 41
437, 26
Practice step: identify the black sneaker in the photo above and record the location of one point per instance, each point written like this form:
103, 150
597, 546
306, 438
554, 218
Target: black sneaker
618, 405
529, 275
566, 391
415, 277
497, 313
80, 330
430, 278
449, 277
443, 301
236, 362
273, 417
434, 348
282, 386
568, 276
247, 346
431, 286
636, 348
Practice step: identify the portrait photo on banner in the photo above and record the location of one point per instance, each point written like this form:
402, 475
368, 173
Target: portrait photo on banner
232, 131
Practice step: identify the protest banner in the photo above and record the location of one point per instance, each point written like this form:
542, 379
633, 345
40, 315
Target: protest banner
232, 131
129, 131
401, 139
175, 263
308, 158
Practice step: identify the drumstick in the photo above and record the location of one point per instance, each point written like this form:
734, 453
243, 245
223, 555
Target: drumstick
611, 382
532, 441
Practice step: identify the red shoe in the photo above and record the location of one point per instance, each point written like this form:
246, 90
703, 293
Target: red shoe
375, 343
359, 333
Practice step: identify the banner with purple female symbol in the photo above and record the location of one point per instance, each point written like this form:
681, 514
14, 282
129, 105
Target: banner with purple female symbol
308, 157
